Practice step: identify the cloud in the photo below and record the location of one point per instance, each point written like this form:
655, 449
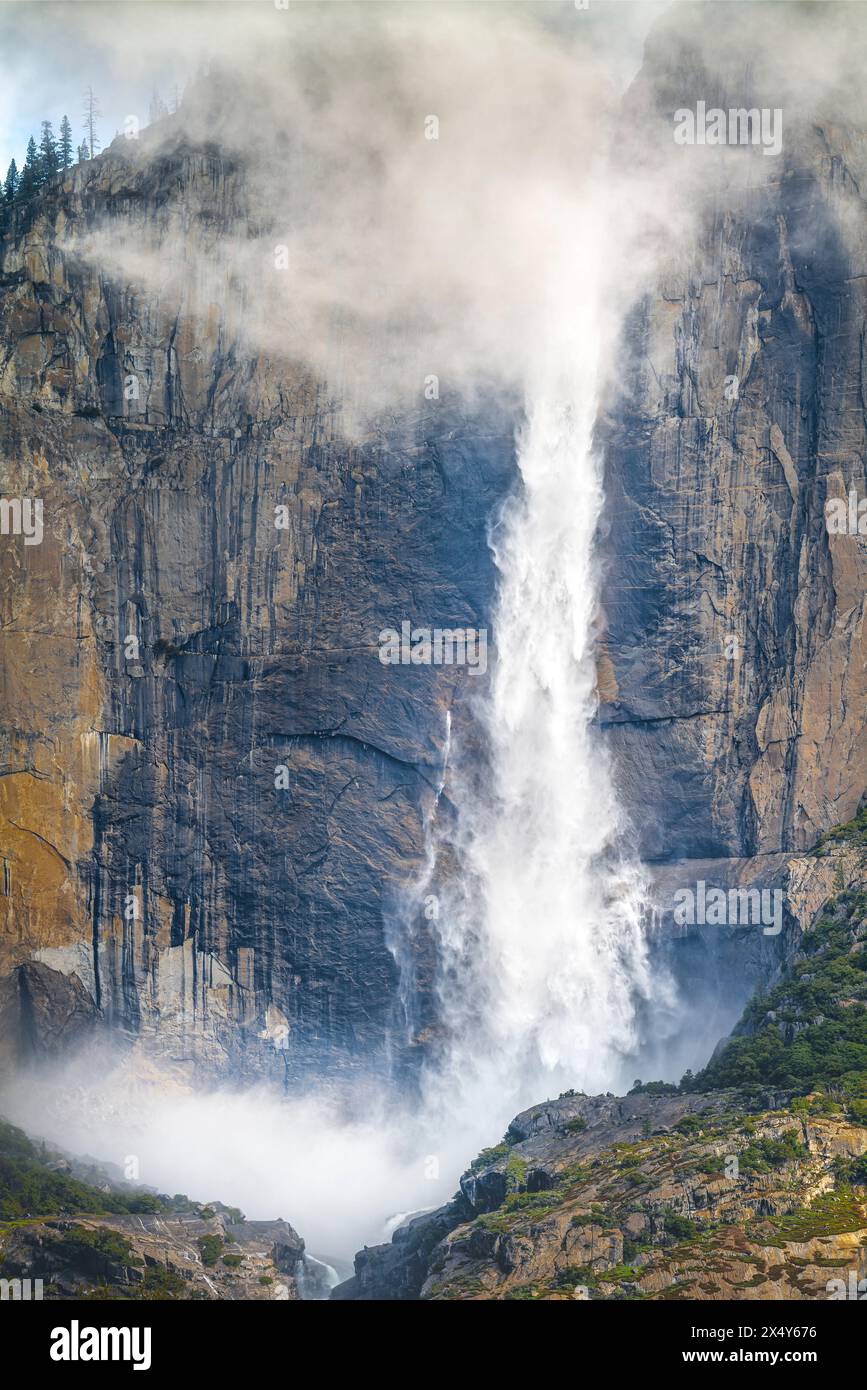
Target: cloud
433, 173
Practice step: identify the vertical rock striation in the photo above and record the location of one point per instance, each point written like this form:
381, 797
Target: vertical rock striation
152, 866
734, 674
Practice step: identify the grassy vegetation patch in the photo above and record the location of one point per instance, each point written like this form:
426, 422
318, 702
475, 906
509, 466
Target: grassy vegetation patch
854, 832
488, 1157
30, 1186
833, 1213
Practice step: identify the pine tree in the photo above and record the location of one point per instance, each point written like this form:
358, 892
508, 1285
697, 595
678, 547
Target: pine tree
10, 186
83, 152
64, 144
49, 158
91, 113
7, 195
29, 181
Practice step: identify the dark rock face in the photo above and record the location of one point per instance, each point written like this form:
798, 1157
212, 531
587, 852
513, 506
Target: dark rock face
42, 1012
150, 852
396, 1272
734, 664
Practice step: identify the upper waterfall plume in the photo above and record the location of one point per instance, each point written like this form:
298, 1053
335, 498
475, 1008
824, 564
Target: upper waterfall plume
546, 962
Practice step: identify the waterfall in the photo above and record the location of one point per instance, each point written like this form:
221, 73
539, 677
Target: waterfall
545, 968
315, 1279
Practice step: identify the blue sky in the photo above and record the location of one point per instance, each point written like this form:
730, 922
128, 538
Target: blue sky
52, 51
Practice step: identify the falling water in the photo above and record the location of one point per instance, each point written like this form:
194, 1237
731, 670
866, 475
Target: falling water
546, 972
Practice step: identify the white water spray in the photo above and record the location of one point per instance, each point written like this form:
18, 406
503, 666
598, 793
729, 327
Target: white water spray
546, 958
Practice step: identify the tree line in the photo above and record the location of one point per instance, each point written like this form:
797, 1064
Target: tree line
50, 156
41, 162
53, 153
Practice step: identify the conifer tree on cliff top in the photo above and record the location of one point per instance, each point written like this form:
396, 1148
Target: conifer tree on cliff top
10, 186
29, 181
49, 157
64, 144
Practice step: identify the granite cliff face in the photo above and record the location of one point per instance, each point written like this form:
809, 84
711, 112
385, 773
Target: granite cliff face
732, 659
734, 669
167, 647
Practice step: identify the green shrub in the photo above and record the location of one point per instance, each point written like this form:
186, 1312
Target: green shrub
854, 832
102, 1239
680, 1227
516, 1173
689, 1124
764, 1154
576, 1126
161, 1283
490, 1156
653, 1088
633, 1248
210, 1249
851, 1170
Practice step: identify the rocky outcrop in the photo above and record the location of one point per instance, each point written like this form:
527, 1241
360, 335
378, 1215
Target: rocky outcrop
651, 1196
161, 1257
397, 1272
83, 1232
42, 1013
